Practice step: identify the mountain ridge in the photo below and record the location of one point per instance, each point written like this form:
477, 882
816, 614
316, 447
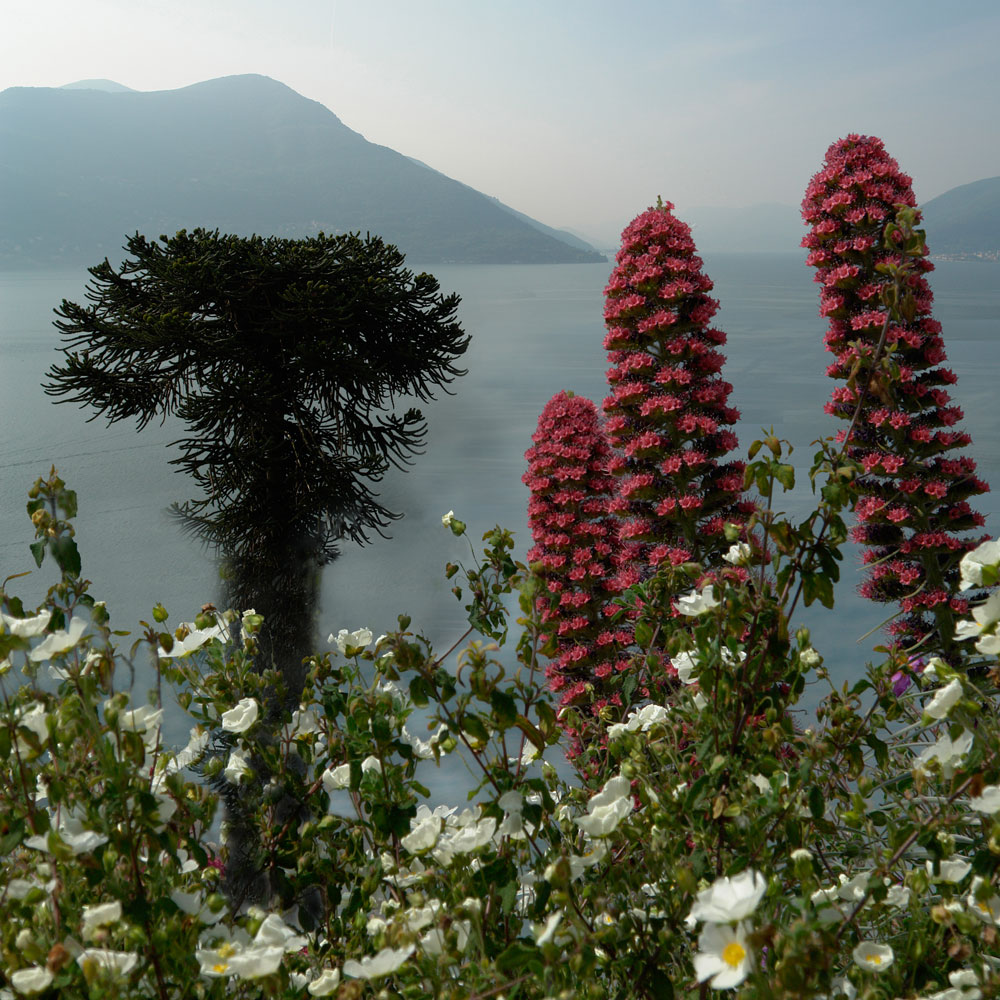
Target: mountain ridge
83, 167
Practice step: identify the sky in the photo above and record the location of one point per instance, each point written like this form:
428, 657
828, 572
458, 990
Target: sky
578, 112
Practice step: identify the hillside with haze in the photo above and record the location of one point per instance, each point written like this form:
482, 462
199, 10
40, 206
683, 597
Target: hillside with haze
84, 165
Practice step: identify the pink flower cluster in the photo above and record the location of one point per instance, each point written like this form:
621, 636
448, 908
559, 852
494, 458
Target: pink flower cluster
576, 548
667, 412
913, 513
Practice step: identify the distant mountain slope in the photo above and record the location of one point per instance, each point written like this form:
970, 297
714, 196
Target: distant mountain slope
82, 167
109, 85
965, 220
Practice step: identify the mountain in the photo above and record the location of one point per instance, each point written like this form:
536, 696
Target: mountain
109, 85
81, 167
965, 221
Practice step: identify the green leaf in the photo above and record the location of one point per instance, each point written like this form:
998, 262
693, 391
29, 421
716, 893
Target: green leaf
643, 634
419, 692
504, 708
66, 555
785, 474
12, 838
658, 985
67, 503
880, 749
531, 732
508, 896
817, 804
473, 725
517, 956
38, 550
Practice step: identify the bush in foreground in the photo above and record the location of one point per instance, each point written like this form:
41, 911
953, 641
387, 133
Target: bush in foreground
717, 845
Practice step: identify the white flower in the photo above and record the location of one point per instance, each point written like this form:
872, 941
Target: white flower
988, 909
371, 763
325, 983
725, 955
985, 616
853, 890
72, 833
359, 638
973, 563
987, 801
60, 641
241, 716
234, 957
463, 835
339, 777
685, 664
192, 752
27, 628
424, 832
119, 963
697, 602
275, 933
194, 638
952, 870
729, 899
543, 933
237, 768
194, 905
639, 720
944, 700
140, 720
372, 967
33, 719
898, 896
842, 986
424, 749
304, 722
607, 808
448, 518
100, 915
947, 752
809, 658
738, 554
33, 980
872, 956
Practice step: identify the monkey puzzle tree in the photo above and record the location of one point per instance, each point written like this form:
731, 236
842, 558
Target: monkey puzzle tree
285, 359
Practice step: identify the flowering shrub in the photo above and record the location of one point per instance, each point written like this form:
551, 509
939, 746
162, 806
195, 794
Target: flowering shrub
913, 511
716, 843
709, 841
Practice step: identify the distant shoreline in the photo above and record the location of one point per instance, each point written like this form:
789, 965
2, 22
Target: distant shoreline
989, 256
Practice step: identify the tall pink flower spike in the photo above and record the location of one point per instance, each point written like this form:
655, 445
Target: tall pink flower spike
575, 549
913, 512
667, 412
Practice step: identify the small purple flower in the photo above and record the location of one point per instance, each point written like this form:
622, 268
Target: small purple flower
902, 680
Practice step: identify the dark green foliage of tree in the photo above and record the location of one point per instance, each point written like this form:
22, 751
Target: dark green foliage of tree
284, 358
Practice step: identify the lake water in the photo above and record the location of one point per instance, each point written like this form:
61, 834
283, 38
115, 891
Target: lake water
535, 330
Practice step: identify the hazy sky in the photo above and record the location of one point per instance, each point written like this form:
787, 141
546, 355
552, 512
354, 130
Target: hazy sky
577, 112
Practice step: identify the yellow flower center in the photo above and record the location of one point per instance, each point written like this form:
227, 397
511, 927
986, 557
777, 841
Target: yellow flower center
875, 959
733, 953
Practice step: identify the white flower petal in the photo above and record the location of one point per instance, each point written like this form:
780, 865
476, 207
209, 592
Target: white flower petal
241, 716
374, 966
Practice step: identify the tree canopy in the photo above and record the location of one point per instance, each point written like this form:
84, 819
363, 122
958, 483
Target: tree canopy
285, 359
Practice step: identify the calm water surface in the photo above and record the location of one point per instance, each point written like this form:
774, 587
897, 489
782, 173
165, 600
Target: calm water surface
535, 331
